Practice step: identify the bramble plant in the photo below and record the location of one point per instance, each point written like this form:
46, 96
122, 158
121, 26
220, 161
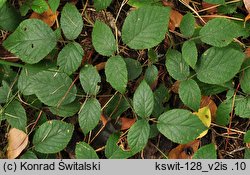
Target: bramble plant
115, 78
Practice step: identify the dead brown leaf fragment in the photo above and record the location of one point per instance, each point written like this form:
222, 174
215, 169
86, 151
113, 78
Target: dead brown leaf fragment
126, 123
185, 151
17, 142
49, 17
247, 5
175, 19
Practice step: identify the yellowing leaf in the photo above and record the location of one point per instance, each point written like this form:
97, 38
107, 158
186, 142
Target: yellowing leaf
204, 115
17, 141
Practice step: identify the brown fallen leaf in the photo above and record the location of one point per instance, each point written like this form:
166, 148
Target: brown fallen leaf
207, 101
185, 151
175, 19
247, 52
175, 87
17, 142
126, 123
49, 17
247, 5
104, 120
211, 8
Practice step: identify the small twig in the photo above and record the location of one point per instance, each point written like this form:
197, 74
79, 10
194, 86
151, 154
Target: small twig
35, 123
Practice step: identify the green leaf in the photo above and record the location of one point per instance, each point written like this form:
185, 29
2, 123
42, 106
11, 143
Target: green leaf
90, 79
39, 6
143, 100
180, 126
215, 1
247, 153
5, 92
219, 65
116, 73
146, 27
70, 57
116, 106
242, 107
134, 68
112, 151
85, 151
66, 110
89, 115
52, 88
223, 113
176, 66
151, 74
190, 94
247, 137
161, 95
25, 78
190, 53
52, 136
101, 4
141, 3
244, 81
218, 32
71, 21
16, 115
103, 39
2, 2
31, 41
54, 4
138, 135
187, 25
28, 155
9, 18
206, 152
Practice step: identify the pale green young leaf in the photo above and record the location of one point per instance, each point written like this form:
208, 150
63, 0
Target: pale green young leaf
85, 151
190, 53
90, 79
219, 65
103, 39
52, 136
190, 94
180, 126
176, 65
138, 135
89, 115
145, 27
70, 58
143, 100
116, 73
71, 21
31, 41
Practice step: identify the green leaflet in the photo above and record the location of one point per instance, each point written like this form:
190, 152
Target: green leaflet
146, 27
31, 41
